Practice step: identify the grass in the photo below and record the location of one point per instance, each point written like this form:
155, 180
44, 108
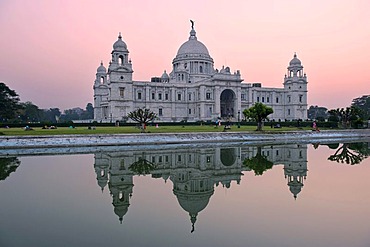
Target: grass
131, 130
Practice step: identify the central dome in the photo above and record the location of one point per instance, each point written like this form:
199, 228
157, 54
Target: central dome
193, 46
192, 62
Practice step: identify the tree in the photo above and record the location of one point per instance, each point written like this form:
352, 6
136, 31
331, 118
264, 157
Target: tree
346, 115
52, 115
7, 166
89, 113
78, 113
9, 103
142, 116
72, 114
351, 153
259, 163
364, 104
259, 112
142, 166
334, 115
30, 112
317, 112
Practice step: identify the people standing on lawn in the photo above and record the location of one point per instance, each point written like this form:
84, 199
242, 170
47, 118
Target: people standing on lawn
314, 126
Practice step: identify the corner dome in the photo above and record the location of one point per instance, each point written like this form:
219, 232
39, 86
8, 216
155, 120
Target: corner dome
119, 45
165, 75
101, 68
193, 46
121, 212
295, 61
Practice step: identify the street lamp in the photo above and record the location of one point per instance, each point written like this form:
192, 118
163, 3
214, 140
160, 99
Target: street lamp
238, 119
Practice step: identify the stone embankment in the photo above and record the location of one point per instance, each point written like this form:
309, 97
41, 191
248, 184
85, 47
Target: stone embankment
22, 142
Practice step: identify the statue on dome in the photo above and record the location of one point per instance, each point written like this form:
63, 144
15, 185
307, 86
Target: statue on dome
192, 24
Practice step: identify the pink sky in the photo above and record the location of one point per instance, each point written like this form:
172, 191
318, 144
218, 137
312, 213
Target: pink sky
50, 50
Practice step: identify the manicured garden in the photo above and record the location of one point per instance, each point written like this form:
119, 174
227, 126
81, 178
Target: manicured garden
82, 130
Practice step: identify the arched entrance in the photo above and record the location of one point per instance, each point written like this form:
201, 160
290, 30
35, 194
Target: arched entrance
228, 156
227, 103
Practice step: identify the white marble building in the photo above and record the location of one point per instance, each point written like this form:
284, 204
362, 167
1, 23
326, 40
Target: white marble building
194, 90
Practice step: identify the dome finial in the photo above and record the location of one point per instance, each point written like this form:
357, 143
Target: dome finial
119, 35
192, 24
101, 62
193, 219
295, 54
192, 32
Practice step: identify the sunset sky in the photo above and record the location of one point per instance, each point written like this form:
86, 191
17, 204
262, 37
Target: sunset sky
50, 50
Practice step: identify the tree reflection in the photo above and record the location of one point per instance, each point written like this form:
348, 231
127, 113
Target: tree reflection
259, 163
7, 166
142, 166
351, 153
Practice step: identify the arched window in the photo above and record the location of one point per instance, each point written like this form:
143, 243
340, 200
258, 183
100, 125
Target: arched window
200, 69
121, 196
208, 95
291, 73
182, 77
101, 79
120, 60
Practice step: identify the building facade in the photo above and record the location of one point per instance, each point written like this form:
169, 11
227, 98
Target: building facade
194, 90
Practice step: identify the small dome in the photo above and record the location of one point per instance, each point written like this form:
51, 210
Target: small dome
295, 187
102, 183
165, 75
101, 68
193, 46
121, 211
119, 45
295, 61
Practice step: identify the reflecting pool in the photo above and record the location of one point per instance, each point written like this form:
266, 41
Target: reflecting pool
235, 195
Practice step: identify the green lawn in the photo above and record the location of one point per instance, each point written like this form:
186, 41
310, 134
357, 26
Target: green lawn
130, 129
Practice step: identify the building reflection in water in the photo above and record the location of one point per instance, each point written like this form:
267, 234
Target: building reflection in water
194, 173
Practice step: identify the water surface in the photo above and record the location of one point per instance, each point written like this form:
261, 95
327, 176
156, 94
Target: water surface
292, 195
